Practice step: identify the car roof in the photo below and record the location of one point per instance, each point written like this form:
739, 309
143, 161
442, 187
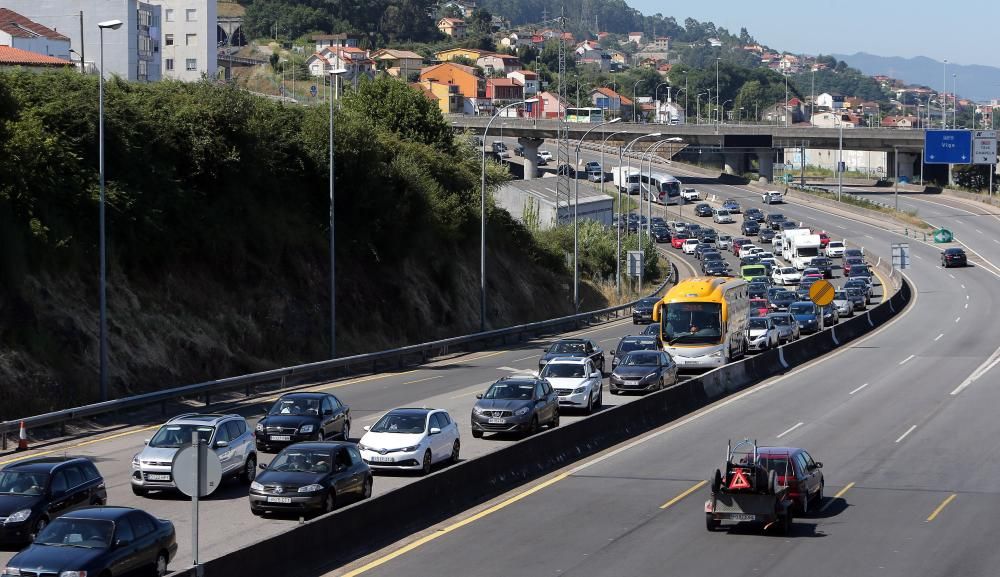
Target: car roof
303, 395
321, 444
200, 418
107, 512
44, 464
778, 450
411, 411
572, 341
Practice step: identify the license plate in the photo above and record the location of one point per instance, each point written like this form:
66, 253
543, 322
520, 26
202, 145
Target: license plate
498, 421
159, 477
378, 459
743, 517
279, 499
281, 437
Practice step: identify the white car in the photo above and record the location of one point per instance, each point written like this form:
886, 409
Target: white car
725, 242
771, 197
722, 217
835, 249
762, 334
763, 254
689, 194
411, 439
577, 382
689, 245
786, 275
546, 155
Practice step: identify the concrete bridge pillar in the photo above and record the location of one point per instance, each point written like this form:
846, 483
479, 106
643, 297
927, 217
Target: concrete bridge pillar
733, 162
530, 156
765, 160
905, 163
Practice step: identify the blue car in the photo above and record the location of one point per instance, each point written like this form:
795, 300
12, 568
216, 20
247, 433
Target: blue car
808, 314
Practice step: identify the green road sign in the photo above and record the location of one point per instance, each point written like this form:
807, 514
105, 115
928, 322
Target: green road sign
943, 235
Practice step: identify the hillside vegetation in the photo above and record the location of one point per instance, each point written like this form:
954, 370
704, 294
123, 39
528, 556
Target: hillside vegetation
218, 234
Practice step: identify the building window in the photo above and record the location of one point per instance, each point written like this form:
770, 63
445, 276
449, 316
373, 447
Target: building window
191, 64
170, 14
143, 70
191, 15
168, 39
191, 40
170, 63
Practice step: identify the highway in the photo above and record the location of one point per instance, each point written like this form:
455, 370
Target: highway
902, 421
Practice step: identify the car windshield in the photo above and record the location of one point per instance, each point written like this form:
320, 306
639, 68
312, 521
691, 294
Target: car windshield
294, 460
295, 406
563, 371
784, 295
510, 391
758, 323
83, 533
646, 303
641, 359
781, 320
400, 423
23, 483
802, 308
174, 436
693, 323
635, 345
840, 296
566, 347
788, 270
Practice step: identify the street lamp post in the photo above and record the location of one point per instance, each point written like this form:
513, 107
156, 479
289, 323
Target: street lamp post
482, 216
656, 97
618, 225
785, 108
840, 161
576, 221
334, 77
634, 103
717, 60
620, 162
110, 25
723, 108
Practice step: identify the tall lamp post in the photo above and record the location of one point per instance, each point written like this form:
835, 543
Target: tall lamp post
618, 225
334, 77
723, 108
717, 60
482, 216
621, 152
634, 103
110, 25
656, 97
576, 211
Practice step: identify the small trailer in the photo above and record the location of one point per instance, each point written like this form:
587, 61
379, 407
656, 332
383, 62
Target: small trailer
748, 491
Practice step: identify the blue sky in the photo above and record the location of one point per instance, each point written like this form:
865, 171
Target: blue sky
964, 30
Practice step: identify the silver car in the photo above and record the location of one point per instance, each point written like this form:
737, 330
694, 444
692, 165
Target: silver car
788, 327
227, 435
843, 304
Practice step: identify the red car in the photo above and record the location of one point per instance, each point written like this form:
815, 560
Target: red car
760, 305
795, 468
824, 239
737, 243
677, 240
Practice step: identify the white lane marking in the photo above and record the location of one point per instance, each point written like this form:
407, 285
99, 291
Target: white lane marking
790, 429
979, 231
510, 369
907, 359
996, 241
858, 389
966, 305
918, 256
841, 227
938, 338
908, 431
951, 275
869, 236
958, 319
958, 221
967, 297
980, 371
526, 358
963, 286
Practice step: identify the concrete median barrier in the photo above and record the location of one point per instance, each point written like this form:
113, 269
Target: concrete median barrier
345, 535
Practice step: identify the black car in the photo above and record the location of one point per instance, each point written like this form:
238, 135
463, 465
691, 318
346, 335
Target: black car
36, 491
642, 371
716, 268
709, 257
766, 235
862, 285
566, 169
312, 477
99, 541
781, 300
749, 260
515, 404
703, 210
830, 315
573, 348
757, 290
824, 264
661, 234
651, 330
702, 248
642, 310
519, 150
754, 214
633, 343
297, 417
774, 220
750, 228
953, 257
854, 253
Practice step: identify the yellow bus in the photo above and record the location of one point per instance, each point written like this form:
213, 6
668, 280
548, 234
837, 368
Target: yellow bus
703, 321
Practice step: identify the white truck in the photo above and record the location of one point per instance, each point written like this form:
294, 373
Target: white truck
802, 249
626, 179
786, 237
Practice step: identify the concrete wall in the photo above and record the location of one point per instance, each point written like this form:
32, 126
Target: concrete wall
41, 45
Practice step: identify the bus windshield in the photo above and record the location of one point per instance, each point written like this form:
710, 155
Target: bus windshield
670, 187
692, 324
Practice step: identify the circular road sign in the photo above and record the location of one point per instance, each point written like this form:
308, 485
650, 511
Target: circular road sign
943, 235
821, 292
184, 469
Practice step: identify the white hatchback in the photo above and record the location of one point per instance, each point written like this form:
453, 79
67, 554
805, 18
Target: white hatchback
786, 275
689, 245
411, 439
546, 155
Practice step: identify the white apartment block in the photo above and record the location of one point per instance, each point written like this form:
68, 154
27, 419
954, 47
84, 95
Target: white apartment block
138, 50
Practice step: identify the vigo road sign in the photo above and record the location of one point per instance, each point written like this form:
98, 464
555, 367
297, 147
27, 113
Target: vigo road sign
821, 292
948, 147
984, 147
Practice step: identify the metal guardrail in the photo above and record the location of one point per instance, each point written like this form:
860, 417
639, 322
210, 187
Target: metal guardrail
282, 376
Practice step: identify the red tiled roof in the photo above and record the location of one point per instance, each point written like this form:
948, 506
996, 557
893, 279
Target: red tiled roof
503, 82
20, 27
15, 56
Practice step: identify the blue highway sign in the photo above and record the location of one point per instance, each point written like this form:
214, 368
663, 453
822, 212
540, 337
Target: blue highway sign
948, 147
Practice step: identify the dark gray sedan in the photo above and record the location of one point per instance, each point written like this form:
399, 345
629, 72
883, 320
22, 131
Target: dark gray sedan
643, 371
515, 404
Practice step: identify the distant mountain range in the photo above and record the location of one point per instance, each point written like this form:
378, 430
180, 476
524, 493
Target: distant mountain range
976, 82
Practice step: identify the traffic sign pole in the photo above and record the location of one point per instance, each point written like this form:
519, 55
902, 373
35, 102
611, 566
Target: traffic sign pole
199, 457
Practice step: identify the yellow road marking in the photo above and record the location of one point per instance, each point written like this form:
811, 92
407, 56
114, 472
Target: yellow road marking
941, 507
424, 379
33, 454
839, 494
427, 538
684, 494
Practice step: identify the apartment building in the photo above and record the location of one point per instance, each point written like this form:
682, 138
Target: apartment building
190, 39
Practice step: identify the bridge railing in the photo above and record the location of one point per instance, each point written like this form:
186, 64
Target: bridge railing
329, 369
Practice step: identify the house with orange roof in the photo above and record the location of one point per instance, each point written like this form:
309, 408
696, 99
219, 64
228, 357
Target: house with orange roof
20, 32
11, 57
454, 27
467, 78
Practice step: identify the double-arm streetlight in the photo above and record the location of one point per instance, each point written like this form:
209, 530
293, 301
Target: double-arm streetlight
628, 182
618, 225
576, 221
482, 214
334, 77
697, 103
723, 108
109, 25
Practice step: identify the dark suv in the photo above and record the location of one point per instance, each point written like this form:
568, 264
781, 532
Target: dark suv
36, 491
953, 257
515, 404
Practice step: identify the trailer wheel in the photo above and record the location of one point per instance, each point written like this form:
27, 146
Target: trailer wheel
710, 523
717, 481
